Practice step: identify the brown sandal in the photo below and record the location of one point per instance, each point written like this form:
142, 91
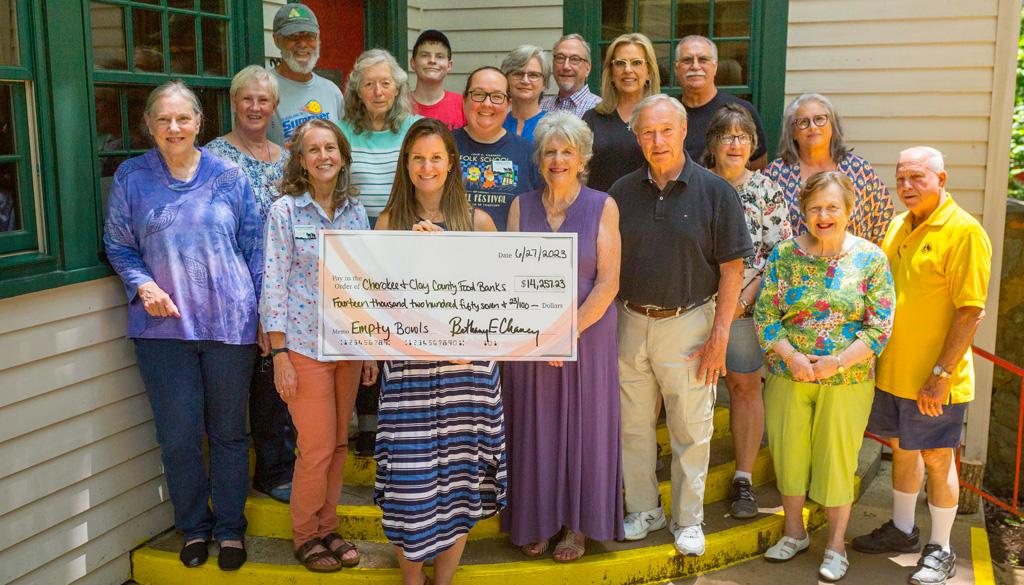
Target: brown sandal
569, 543
340, 551
309, 559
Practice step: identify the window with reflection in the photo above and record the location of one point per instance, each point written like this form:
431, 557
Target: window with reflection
139, 44
730, 23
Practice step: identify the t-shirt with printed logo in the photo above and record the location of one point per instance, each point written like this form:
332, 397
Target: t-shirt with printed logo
495, 174
301, 101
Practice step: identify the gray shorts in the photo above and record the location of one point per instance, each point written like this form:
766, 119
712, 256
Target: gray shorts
744, 355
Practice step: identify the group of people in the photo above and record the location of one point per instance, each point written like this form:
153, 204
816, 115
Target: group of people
697, 260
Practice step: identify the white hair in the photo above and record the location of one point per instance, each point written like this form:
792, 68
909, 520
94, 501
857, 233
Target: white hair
688, 38
653, 100
933, 158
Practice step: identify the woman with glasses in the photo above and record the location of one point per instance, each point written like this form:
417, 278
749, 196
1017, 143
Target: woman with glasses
812, 142
528, 69
630, 74
731, 138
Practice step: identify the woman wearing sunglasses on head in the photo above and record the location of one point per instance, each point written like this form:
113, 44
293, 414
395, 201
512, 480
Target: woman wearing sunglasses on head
812, 142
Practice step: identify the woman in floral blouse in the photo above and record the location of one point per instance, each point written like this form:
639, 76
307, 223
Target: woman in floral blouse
823, 315
812, 142
732, 136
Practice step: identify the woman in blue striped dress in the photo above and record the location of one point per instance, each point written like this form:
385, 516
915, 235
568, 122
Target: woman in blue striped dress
440, 441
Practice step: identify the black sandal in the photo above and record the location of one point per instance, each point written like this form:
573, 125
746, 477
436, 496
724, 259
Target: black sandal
308, 559
341, 550
194, 554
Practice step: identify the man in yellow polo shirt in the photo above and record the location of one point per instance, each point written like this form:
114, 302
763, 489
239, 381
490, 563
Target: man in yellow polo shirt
940, 258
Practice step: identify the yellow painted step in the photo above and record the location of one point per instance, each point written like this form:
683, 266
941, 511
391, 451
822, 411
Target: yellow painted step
271, 519
640, 566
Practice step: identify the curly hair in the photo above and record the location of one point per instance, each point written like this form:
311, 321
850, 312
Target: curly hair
355, 110
295, 179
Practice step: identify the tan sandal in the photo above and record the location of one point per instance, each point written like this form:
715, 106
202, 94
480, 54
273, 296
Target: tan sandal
309, 559
542, 547
569, 542
340, 551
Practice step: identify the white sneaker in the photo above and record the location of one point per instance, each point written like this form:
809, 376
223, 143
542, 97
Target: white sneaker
638, 524
689, 539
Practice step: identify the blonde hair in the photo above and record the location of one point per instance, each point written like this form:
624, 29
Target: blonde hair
609, 95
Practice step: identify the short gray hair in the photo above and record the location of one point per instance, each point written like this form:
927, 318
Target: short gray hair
933, 158
688, 38
171, 87
355, 110
653, 100
569, 127
251, 74
788, 148
520, 57
574, 37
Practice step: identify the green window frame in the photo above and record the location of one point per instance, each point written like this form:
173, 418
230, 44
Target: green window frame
60, 83
766, 58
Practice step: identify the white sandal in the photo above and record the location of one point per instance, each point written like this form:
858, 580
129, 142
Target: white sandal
786, 549
833, 566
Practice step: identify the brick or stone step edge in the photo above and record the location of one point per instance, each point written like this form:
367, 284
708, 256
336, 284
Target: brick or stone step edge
654, 564
271, 519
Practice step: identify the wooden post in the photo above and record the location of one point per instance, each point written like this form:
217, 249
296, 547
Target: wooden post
972, 472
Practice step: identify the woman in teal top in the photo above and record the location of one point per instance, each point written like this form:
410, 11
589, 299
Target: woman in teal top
823, 314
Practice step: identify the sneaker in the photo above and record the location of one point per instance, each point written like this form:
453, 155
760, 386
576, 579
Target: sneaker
638, 524
888, 538
743, 503
934, 566
689, 540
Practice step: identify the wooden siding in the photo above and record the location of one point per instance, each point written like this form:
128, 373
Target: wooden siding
81, 482
269, 10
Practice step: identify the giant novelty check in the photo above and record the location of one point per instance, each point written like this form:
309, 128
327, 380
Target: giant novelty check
459, 295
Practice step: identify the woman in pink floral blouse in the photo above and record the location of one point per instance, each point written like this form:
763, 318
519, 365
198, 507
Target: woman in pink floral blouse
823, 315
732, 137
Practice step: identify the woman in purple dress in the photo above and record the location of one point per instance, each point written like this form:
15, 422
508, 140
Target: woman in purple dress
562, 419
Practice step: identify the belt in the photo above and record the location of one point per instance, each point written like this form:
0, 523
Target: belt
659, 312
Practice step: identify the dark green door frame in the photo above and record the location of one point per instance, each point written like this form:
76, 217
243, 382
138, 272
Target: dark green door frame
584, 17
385, 25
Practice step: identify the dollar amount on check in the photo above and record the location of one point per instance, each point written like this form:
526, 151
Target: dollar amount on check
460, 295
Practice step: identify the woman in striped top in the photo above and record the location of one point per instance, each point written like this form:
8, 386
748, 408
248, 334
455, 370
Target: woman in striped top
441, 442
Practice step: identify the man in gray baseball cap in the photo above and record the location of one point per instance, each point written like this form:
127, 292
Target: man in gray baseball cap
304, 94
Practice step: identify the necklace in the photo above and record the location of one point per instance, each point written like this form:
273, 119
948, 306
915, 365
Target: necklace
433, 216
251, 153
555, 211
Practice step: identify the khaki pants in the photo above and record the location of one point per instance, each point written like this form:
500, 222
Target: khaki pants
652, 359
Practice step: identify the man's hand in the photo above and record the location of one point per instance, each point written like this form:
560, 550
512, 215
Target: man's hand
712, 359
932, 395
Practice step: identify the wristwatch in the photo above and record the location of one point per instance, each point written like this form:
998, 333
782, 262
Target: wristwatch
940, 371
746, 305
274, 352
841, 367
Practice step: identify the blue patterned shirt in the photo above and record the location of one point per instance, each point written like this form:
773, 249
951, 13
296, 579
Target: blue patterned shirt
289, 301
200, 240
263, 176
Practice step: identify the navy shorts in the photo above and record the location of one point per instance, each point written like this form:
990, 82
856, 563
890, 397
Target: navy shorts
895, 417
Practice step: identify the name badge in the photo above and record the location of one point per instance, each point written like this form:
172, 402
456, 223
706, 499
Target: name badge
502, 166
305, 232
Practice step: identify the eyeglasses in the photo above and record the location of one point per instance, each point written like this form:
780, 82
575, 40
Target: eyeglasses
533, 76
478, 95
573, 60
805, 123
634, 63
728, 139
702, 60
309, 37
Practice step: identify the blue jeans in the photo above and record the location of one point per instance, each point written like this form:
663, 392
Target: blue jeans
273, 434
198, 387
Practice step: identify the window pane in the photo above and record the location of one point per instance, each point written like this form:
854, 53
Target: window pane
9, 53
182, 32
663, 52
215, 47
6, 121
108, 38
108, 166
183, 4
692, 17
212, 99
109, 130
654, 19
148, 40
733, 63
138, 135
212, 6
732, 18
10, 215
616, 18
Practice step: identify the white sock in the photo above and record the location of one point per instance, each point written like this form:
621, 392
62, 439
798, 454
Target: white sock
742, 475
942, 525
903, 505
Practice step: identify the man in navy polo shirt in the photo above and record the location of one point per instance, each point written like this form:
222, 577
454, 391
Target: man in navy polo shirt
684, 238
